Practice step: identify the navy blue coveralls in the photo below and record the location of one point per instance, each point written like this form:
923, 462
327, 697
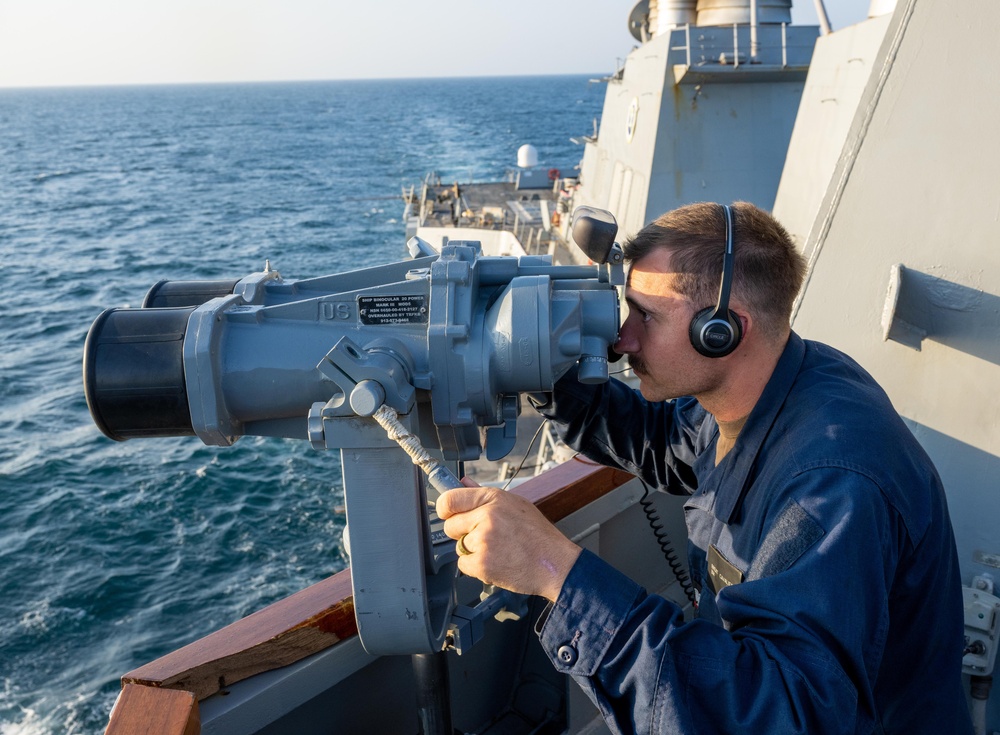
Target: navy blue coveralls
830, 599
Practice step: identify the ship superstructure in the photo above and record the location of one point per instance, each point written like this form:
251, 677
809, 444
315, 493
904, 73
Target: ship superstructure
703, 108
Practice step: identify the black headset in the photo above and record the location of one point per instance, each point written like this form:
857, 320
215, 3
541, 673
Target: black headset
716, 331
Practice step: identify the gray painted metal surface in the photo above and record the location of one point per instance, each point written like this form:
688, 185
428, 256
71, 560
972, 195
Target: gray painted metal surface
904, 258
690, 118
842, 65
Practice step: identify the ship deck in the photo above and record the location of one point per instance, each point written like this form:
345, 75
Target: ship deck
530, 210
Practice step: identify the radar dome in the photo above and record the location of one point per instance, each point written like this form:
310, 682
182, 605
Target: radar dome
527, 156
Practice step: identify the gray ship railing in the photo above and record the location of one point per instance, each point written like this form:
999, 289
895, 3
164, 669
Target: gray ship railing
766, 44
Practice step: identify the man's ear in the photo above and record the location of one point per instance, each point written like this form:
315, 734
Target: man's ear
746, 322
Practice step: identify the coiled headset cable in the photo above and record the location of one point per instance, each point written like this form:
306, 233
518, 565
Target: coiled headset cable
649, 509
646, 501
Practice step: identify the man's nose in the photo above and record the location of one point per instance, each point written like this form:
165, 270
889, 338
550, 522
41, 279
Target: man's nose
626, 343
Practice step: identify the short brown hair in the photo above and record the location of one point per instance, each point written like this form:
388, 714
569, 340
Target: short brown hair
767, 269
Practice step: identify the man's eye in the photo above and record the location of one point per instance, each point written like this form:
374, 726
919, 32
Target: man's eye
643, 315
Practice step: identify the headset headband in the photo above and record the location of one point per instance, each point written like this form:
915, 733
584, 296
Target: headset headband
722, 307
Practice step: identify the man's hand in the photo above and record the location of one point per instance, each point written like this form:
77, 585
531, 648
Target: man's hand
509, 542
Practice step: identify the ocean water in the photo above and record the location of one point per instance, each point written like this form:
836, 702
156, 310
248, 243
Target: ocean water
112, 554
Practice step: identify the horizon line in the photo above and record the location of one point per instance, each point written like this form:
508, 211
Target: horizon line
596, 78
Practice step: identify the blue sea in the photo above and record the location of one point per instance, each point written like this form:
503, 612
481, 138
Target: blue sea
112, 554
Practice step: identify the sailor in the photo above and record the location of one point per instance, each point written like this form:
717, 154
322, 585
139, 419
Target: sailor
819, 540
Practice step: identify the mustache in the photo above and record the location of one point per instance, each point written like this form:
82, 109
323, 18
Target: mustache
637, 364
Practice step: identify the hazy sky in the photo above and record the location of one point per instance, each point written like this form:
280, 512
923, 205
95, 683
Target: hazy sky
73, 42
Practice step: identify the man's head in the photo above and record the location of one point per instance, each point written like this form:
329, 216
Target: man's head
676, 268
768, 270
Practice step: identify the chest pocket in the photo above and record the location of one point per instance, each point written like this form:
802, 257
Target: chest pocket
710, 543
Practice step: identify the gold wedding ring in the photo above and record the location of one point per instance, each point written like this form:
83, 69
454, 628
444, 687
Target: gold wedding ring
460, 546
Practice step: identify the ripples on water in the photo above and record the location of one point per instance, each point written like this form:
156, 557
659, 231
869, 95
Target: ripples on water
112, 554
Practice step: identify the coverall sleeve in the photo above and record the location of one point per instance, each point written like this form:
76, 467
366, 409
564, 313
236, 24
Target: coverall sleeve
614, 425
796, 654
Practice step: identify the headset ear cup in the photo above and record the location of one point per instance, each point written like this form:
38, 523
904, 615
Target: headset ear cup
715, 337
694, 331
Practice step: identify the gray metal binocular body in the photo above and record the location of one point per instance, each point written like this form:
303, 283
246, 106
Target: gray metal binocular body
449, 342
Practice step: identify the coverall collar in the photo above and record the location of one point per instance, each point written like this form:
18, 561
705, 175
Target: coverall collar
724, 489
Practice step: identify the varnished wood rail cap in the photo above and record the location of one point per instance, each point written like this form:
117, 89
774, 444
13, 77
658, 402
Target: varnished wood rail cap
321, 615
570, 486
144, 710
280, 634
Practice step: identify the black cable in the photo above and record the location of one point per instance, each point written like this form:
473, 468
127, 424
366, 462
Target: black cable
978, 648
665, 546
526, 453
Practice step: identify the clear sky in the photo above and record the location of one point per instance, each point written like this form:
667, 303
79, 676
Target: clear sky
76, 42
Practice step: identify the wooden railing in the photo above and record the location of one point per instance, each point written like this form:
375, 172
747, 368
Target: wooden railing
161, 696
